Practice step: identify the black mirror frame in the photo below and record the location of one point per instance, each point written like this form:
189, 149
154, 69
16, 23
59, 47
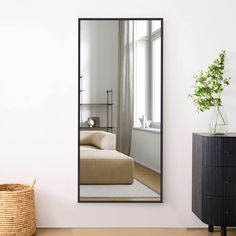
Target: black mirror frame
161, 150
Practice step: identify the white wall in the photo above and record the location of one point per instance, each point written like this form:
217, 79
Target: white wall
38, 102
145, 148
99, 66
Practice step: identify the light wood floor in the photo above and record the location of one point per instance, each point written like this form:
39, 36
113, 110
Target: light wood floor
131, 232
147, 176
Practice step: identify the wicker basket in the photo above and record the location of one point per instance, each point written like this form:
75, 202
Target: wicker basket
17, 210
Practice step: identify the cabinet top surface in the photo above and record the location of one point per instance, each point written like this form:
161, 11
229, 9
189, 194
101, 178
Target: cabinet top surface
228, 135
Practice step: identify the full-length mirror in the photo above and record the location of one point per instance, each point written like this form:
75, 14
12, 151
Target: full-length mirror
120, 119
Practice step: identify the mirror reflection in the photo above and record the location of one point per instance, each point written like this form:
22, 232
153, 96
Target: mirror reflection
120, 110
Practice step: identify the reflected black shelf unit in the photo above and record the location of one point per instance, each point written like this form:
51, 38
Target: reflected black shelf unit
96, 128
109, 113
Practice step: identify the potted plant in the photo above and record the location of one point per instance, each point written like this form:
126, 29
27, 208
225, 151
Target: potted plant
207, 91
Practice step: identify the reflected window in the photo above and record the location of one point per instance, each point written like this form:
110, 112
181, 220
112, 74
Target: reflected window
147, 79
141, 28
156, 75
156, 25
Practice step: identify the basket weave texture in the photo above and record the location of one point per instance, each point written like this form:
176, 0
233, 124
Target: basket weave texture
17, 210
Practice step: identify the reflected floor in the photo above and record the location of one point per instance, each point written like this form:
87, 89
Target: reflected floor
148, 177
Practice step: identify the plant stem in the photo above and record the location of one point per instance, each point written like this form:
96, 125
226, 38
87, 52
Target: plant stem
220, 111
216, 119
221, 115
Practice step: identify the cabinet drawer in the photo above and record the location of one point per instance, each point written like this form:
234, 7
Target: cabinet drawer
219, 211
219, 181
219, 151
230, 182
211, 151
229, 152
213, 181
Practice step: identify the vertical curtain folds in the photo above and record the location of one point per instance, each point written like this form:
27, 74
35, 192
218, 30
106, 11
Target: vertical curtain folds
125, 86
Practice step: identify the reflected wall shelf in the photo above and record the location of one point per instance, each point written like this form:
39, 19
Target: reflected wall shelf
109, 113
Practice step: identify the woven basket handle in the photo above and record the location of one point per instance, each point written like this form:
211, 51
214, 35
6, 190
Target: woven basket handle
32, 186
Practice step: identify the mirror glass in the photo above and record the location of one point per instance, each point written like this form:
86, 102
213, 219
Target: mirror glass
120, 118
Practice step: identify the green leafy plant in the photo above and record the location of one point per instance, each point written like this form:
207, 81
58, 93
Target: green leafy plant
209, 85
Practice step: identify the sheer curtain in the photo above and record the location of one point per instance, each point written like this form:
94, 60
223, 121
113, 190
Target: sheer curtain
125, 86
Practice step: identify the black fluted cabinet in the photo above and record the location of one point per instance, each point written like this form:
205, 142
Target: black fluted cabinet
214, 179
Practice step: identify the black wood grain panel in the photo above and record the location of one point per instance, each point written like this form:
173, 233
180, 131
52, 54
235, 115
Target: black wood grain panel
219, 211
219, 181
229, 182
230, 211
212, 151
213, 210
213, 181
229, 152
197, 176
